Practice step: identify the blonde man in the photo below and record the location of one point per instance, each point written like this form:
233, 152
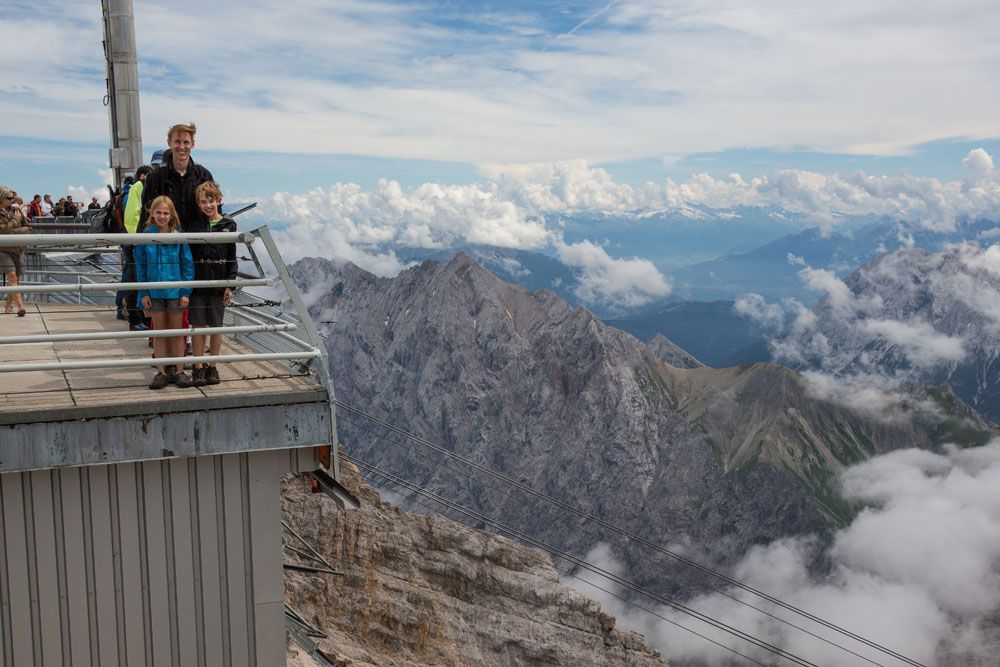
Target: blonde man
177, 179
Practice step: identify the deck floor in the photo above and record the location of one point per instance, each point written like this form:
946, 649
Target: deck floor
23, 393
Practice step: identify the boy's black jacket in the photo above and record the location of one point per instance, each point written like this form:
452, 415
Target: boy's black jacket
214, 261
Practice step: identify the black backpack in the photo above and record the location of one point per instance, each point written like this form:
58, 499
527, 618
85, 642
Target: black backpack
108, 219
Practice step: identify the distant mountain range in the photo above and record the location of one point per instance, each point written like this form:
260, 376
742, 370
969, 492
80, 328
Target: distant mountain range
767, 269
917, 315
710, 331
718, 460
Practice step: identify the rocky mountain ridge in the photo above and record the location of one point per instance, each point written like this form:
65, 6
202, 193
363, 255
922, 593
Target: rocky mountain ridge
717, 460
424, 590
928, 317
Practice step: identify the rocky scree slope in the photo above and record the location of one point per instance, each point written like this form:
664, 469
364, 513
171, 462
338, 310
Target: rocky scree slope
713, 460
953, 294
424, 590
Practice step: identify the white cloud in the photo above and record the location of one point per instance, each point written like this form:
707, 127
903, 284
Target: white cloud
754, 307
919, 341
839, 294
407, 80
602, 278
874, 396
917, 571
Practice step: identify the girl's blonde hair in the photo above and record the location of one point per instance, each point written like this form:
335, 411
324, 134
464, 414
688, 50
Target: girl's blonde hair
163, 200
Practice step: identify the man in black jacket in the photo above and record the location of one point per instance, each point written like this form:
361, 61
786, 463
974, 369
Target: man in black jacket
177, 179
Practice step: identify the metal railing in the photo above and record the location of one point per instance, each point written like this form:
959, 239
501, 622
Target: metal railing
83, 269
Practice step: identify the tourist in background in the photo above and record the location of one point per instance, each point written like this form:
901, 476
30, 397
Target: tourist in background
12, 221
35, 208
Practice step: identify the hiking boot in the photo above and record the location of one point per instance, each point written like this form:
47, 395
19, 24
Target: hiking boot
183, 380
198, 377
171, 373
212, 375
159, 381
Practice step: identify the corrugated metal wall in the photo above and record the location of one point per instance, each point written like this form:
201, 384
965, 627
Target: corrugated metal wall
174, 562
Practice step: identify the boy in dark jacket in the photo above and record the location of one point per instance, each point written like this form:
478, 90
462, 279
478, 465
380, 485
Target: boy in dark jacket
212, 261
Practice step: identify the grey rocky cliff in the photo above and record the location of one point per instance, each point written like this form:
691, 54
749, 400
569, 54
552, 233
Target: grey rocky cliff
525, 384
955, 293
669, 353
424, 590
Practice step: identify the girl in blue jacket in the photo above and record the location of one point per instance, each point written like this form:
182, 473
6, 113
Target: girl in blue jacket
162, 262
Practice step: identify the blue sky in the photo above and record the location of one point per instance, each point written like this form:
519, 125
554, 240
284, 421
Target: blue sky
364, 125
418, 92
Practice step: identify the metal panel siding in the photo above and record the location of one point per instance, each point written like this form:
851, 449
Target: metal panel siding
78, 649
187, 612
5, 632
20, 640
208, 531
45, 556
156, 603
268, 580
105, 565
237, 565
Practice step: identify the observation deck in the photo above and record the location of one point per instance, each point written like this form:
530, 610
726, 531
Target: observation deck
144, 527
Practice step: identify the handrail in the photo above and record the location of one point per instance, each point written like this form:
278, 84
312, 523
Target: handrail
131, 287
151, 333
172, 238
167, 361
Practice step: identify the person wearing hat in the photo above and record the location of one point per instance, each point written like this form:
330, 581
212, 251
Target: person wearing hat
12, 258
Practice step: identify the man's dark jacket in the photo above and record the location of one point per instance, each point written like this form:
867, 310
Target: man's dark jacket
180, 189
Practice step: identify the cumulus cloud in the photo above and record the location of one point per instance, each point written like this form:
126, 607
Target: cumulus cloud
917, 571
755, 307
626, 282
872, 395
918, 341
520, 206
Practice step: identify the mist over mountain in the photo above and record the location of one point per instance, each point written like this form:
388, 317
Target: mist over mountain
910, 315
771, 269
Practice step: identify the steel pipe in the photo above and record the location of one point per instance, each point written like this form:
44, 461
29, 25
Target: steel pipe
130, 287
35, 240
151, 333
166, 361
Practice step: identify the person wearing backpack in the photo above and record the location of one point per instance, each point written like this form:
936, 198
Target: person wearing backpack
129, 309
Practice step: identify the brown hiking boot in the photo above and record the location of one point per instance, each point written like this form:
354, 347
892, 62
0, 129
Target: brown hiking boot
159, 381
212, 375
183, 380
198, 377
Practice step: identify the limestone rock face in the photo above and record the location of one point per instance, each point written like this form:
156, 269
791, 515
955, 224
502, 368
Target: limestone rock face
714, 461
669, 353
424, 590
952, 296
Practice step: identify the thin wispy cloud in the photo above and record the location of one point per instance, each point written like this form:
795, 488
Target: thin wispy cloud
440, 81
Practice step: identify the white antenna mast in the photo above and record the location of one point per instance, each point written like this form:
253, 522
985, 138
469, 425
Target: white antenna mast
122, 100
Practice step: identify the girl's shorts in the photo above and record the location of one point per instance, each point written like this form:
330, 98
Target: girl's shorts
165, 305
